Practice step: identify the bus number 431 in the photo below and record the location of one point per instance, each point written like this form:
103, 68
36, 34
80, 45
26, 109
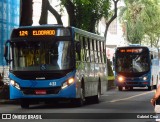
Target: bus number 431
52, 83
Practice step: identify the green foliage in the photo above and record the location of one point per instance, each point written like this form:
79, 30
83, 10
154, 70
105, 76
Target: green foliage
89, 12
109, 68
142, 19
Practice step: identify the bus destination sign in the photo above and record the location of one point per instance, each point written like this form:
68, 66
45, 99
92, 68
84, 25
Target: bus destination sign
131, 50
25, 33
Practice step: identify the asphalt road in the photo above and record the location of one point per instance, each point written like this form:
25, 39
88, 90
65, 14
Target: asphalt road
114, 106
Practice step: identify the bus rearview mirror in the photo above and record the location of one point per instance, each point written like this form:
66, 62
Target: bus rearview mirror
6, 51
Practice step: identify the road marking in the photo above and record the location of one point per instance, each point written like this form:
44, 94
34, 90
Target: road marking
105, 95
131, 97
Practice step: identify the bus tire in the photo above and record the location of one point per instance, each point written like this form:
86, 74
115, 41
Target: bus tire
131, 88
120, 88
126, 87
96, 98
150, 88
155, 86
80, 101
24, 104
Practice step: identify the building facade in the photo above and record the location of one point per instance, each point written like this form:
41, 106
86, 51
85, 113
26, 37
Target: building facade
9, 18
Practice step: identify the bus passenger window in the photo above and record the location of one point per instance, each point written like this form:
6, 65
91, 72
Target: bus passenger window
30, 58
53, 53
78, 51
21, 58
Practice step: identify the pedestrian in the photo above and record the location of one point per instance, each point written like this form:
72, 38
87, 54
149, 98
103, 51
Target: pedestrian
155, 101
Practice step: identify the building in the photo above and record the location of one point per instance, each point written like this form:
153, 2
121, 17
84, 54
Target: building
9, 18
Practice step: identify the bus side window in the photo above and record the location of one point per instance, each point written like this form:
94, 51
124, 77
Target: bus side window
151, 56
113, 59
151, 59
78, 51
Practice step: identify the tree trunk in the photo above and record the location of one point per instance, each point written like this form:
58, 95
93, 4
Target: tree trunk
26, 13
112, 18
55, 13
44, 14
71, 12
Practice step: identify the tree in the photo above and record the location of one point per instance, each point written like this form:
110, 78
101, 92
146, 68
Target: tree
26, 13
152, 29
130, 15
141, 18
70, 7
44, 14
85, 14
109, 21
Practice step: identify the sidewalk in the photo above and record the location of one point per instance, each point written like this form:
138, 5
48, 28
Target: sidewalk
4, 95
7, 101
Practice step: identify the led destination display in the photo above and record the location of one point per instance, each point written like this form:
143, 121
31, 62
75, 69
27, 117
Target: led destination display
37, 33
130, 50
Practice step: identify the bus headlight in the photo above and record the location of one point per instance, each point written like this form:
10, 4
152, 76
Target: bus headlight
67, 83
145, 78
13, 83
120, 79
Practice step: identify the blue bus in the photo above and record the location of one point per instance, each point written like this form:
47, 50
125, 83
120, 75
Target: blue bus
53, 62
136, 66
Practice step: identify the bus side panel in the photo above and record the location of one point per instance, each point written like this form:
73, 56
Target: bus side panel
86, 74
101, 74
155, 71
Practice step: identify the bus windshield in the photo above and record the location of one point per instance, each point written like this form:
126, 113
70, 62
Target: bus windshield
41, 54
132, 62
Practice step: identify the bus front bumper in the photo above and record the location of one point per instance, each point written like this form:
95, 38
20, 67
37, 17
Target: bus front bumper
43, 93
132, 82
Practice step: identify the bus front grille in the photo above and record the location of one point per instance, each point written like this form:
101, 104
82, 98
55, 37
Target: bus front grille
32, 91
132, 83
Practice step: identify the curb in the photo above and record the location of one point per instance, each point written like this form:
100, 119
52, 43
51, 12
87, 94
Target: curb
6, 101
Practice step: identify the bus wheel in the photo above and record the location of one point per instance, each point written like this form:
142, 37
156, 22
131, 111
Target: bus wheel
120, 88
130, 88
150, 88
127, 88
24, 103
80, 101
97, 97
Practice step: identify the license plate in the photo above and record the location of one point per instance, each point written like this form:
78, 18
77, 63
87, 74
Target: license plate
40, 92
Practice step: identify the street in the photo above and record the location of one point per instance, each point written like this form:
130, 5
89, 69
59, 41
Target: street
114, 106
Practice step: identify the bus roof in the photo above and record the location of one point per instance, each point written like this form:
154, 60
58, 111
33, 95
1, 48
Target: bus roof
89, 34
77, 30
132, 46
41, 26
137, 45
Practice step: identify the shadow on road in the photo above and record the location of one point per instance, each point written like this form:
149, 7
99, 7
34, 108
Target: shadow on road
59, 104
136, 89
